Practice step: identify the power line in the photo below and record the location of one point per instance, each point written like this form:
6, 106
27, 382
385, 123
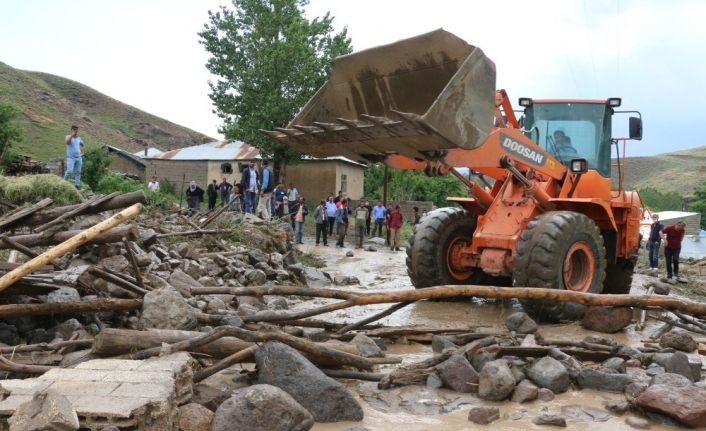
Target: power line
590, 48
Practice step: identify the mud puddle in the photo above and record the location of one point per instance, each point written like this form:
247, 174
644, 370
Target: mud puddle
417, 408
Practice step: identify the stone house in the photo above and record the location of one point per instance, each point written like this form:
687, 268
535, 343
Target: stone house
314, 178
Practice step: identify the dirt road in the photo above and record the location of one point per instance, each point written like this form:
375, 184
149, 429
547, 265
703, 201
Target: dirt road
420, 408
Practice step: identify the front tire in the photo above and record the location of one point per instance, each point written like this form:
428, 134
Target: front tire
430, 254
618, 277
560, 250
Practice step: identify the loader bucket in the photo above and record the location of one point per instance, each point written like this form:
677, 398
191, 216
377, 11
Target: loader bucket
414, 97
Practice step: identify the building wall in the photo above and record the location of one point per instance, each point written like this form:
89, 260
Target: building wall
314, 179
176, 171
122, 165
354, 179
215, 171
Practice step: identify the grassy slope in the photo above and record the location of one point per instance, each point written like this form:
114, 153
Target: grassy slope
50, 104
681, 171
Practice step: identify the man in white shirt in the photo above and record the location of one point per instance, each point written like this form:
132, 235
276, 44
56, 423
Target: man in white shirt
153, 185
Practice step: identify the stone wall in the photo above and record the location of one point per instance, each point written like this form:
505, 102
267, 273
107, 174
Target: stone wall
174, 171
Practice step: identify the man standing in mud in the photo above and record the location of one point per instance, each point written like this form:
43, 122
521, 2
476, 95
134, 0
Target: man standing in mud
654, 241
673, 235
74, 156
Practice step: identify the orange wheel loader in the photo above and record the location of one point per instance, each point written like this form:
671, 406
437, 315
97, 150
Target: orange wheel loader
543, 211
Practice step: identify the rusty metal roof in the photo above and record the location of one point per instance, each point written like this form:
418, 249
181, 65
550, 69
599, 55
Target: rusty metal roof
218, 150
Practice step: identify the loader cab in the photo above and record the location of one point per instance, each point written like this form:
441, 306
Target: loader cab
571, 129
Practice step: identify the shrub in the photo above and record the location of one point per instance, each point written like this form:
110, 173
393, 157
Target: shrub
95, 167
160, 199
117, 183
33, 188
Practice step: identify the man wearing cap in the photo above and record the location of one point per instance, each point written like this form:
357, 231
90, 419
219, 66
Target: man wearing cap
674, 235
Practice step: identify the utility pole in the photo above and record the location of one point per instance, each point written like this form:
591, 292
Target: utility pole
384, 188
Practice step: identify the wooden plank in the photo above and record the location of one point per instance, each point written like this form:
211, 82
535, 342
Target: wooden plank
92, 203
19, 214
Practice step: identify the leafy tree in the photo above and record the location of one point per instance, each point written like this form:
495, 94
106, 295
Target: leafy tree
95, 167
269, 60
9, 131
659, 201
698, 204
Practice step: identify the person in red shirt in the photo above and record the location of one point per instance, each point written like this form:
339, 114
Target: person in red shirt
394, 224
674, 235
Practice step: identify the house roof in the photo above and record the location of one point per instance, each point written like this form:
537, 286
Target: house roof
226, 150
671, 215
218, 150
151, 152
125, 154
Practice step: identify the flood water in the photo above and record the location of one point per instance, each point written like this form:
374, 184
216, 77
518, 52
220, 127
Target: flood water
417, 408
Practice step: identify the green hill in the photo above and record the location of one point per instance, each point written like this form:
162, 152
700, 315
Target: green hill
680, 171
50, 104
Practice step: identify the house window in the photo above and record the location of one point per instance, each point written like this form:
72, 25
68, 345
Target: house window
344, 183
226, 168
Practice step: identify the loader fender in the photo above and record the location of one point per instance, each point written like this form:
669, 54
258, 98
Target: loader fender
597, 210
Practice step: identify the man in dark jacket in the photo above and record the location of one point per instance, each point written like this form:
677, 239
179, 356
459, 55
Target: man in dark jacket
224, 187
194, 196
250, 181
654, 241
212, 193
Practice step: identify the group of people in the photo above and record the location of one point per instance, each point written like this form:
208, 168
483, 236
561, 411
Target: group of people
673, 236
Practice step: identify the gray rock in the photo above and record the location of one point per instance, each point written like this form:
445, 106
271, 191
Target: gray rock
627, 351
481, 358
685, 404
255, 277
633, 390
182, 282
678, 363
216, 305
117, 263
350, 253
167, 309
521, 323
594, 379
670, 379
544, 394
277, 303
45, 411
155, 281
654, 369
458, 374
312, 277
483, 415
9, 334
552, 420
637, 423
678, 340
599, 339
376, 240
64, 294
606, 319
440, 342
345, 280
325, 398
246, 310
370, 248
549, 373
232, 320
617, 407
261, 408
367, 347
525, 391
617, 364
434, 382
495, 382
256, 256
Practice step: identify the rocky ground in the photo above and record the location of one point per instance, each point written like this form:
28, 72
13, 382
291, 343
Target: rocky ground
193, 327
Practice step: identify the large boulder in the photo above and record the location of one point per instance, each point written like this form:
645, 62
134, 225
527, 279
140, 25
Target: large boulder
495, 381
63, 294
167, 309
458, 374
678, 340
261, 408
45, 411
520, 322
325, 398
678, 363
367, 347
549, 373
606, 319
686, 404
313, 277
595, 379
182, 282
670, 379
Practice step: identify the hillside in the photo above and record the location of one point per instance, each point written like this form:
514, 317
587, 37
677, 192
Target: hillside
680, 171
50, 104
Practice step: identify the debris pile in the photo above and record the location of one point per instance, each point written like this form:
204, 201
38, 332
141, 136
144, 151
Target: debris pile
135, 320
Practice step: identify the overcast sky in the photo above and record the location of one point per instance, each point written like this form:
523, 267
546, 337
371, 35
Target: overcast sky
146, 52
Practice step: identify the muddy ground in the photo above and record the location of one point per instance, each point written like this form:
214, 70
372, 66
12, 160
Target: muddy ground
420, 408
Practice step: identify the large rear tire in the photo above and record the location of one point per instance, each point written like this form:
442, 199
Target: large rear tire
560, 250
439, 235
618, 277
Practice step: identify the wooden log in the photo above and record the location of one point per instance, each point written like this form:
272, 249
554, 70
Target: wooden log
355, 375
470, 291
225, 363
92, 203
15, 217
38, 240
192, 233
413, 374
373, 318
213, 216
71, 244
8, 365
118, 281
539, 351
48, 347
94, 305
118, 202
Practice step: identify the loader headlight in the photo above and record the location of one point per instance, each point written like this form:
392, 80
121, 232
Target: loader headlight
525, 101
614, 102
579, 166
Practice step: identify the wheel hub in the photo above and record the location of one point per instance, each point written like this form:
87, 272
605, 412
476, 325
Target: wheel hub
579, 267
455, 259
